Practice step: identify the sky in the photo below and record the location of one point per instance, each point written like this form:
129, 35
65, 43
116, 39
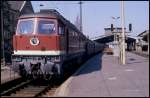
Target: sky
97, 15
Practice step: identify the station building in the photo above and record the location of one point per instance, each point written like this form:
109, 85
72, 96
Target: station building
142, 44
113, 40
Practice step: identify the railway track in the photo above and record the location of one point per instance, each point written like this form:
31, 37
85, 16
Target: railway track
31, 88
34, 88
7, 85
14, 88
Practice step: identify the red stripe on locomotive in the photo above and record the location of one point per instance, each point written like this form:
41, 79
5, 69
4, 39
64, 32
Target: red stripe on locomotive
46, 42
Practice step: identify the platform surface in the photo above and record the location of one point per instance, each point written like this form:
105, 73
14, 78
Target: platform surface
7, 74
104, 76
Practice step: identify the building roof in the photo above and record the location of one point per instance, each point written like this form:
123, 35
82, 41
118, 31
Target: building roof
110, 38
18, 5
118, 28
143, 33
115, 30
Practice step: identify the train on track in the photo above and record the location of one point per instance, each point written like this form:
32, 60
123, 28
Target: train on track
45, 41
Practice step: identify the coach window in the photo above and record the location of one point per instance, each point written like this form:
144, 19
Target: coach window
61, 30
46, 27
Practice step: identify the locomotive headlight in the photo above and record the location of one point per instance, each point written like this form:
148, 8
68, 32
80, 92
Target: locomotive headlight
34, 41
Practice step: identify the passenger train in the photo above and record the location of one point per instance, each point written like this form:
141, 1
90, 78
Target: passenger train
45, 41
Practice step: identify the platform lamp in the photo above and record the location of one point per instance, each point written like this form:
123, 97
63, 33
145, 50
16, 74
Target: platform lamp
130, 27
41, 5
112, 29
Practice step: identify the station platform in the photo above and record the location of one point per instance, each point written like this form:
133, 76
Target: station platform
7, 74
103, 76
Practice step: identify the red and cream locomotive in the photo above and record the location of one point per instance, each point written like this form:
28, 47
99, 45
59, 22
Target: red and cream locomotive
44, 41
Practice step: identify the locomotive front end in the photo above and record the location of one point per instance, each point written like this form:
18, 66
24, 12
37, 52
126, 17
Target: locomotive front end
36, 47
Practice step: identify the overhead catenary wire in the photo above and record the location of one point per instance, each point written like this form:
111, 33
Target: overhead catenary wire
76, 2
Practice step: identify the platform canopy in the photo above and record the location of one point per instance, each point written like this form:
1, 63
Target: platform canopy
110, 38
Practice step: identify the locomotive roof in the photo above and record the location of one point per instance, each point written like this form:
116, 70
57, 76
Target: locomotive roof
50, 13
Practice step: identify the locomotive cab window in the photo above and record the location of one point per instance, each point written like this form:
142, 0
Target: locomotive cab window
25, 27
46, 27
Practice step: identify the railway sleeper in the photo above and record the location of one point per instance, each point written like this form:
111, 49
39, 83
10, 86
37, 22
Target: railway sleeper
29, 90
22, 95
32, 90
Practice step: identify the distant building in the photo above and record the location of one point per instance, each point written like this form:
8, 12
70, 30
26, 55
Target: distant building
143, 42
113, 40
116, 32
11, 10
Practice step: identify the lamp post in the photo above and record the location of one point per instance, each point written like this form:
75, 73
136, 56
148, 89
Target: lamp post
148, 41
81, 15
123, 34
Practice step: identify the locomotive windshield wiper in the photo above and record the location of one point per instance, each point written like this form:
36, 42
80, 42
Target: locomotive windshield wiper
51, 30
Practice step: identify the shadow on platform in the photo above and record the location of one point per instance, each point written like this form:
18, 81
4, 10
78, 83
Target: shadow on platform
136, 62
92, 65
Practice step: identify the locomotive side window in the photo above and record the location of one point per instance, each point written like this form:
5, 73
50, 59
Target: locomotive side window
61, 30
46, 27
25, 27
